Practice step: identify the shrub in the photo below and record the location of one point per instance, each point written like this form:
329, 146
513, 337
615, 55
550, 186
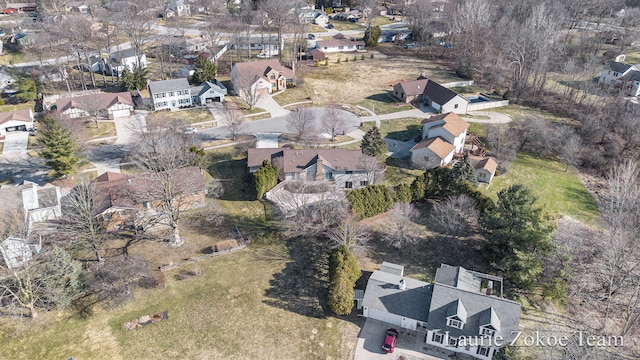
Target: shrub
506, 95
326, 62
465, 72
497, 173
355, 58
338, 61
369, 201
346, 59
317, 63
344, 272
371, 56
402, 193
265, 178
362, 57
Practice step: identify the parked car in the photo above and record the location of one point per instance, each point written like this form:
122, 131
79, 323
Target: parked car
390, 339
409, 45
329, 26
190, 130
312, 37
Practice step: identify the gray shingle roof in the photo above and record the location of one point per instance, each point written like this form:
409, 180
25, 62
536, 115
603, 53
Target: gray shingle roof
383, 294
168, 85
617, 66
476, 303
457, 276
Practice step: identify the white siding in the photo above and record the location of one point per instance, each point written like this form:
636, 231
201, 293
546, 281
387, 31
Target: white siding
382, 316
451, 105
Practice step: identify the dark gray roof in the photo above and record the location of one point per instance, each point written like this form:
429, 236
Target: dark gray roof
438, 93
507, 312
457, 309
205, 86
168, 85
617, 66
123, 54
633, 76
391, 268
383, 294
489, 317
47, 197
457, 276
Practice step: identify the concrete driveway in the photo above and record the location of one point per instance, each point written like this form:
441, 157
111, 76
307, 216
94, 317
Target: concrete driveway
369, 344
399, 149
266, 102
15, 142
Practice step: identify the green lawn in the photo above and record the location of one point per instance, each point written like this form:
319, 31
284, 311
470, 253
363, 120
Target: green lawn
190, 116
383, 103
382, 20
345, 25
560, 190
294, 95
400, 171
22, 106
519, 113
104, 129
403, 129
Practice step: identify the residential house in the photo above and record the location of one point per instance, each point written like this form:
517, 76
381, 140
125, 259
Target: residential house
348, 169
452, 310
125, 59
265, 43
107, 105
30, 203
77, 7
443, 136
208, 91
320, 19
178, 46
167, 94
485, 169
16, 251
316, 54
15, 8
176, 8
126, 200
430, 93
340, 43
266, 75
614, 71
631, 83
16, 120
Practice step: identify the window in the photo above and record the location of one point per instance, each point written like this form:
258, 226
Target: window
348, 172
453, 341
340, 47
455, 106
273, 76
328, 176
364, 183
348, 185
455, 323
615, 74
147, 205
484, 351
487, 332
437, 338
171, 93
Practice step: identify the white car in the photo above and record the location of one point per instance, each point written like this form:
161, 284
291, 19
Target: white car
190, 130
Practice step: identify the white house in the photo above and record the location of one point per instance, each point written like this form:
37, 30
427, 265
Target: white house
266, 43
16, 120
631, 83
340, 43
34, 203
452, 310
167, 94
615, 70
208, 91
485, 169
6, 80
348, 169
443, 136
108, 105
176, 8
125, 59
321, 19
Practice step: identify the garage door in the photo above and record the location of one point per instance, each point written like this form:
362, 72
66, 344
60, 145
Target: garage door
384, 316
120, 113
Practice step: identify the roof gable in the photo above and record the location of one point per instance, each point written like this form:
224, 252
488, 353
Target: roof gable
292, 160
437, 145
161, 86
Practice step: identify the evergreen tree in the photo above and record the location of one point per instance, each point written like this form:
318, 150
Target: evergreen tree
27, 89
265, 178
136, 79
344, 272
519, 235
463, 171
373, 144
403, 193
60, 150
62, 278
205, 70
418, 187
371, 36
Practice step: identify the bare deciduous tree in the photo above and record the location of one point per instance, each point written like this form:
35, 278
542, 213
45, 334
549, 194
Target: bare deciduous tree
350, 234
402, 231
301, 122
234, 120
455, 215
333, 122
246, 87
163, 150
80, 223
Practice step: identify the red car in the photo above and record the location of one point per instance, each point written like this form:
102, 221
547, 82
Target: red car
390, 341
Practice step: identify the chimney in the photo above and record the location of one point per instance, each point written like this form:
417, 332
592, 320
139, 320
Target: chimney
319, 169
402, 285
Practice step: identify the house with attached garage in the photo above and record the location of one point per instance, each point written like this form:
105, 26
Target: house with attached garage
443, 136
348, 169
266, 75
16, 120
107, 105
461, 313
340, 43
126, 200
429, 92
208, 91
167, 94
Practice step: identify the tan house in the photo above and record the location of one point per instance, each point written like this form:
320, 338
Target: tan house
267, 75
127, 201
485, 169
443, 136
108, 105
348, 169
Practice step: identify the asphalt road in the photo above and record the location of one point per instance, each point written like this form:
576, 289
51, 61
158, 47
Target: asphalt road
278, 124
19, 167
